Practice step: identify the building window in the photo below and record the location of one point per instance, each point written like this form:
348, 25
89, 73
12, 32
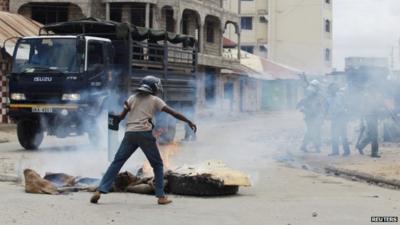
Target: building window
327, 54
247, 23
327, 26
210, 32
328, 1
263, 48
248, 48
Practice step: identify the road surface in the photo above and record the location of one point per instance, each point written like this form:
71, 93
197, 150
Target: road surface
280, 194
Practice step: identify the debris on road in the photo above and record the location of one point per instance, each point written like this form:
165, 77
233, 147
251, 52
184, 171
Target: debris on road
211, 178
363, 176
37, 185
60, 179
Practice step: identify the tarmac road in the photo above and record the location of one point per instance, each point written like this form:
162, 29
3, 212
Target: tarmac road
280, 195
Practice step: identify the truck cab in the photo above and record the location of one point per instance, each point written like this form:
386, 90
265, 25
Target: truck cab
58, 85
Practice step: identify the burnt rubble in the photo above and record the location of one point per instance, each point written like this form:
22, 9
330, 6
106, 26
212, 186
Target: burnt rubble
206, 179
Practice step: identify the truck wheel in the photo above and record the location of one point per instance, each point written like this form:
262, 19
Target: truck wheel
29, 133
198, 186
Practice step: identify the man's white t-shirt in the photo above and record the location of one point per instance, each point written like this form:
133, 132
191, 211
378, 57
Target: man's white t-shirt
142, 109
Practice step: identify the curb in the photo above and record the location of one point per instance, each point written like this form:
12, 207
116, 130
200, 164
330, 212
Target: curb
9, 178
364, 176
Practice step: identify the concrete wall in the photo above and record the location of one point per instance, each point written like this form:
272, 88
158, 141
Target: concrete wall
75, 12
297, 37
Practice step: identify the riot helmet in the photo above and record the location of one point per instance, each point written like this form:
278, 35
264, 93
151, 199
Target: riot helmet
151, 85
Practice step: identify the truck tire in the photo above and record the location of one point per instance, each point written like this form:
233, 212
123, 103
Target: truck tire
30, 134
198, 186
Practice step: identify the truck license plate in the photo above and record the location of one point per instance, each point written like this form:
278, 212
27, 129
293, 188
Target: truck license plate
42, 110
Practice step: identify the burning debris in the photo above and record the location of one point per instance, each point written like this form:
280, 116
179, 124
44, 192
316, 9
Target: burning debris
206, 179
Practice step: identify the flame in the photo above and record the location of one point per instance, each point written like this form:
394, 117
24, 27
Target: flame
166, 151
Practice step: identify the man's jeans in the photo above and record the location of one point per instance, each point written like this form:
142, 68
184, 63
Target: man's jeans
131, 141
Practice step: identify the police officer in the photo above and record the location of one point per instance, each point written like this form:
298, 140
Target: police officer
337, 113
369, 123
312, 107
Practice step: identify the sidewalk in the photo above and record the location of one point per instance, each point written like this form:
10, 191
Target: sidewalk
7, 132
7, 127
384, 171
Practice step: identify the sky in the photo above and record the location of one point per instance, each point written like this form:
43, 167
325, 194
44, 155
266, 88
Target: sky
368, 28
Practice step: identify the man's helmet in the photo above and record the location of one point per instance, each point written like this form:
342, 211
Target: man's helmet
313, 88
151, 85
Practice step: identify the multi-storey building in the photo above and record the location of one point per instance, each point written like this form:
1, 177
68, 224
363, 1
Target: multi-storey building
296, 33
204, 19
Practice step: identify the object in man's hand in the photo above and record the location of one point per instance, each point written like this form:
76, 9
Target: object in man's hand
113, 121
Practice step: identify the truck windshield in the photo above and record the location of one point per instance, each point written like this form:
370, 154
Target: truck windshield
46, 54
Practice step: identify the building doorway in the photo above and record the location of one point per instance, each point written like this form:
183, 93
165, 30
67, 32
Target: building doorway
228, 95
